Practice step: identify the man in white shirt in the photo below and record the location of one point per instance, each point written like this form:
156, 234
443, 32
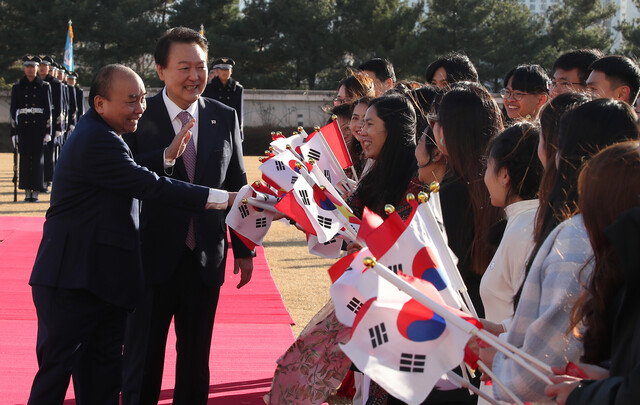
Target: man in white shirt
183, 254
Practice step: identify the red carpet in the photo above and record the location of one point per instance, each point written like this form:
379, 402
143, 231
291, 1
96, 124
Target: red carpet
252, 326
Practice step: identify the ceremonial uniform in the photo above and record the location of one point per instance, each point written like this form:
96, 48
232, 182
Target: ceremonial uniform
79, 102
31, 122
57, 124
230, 93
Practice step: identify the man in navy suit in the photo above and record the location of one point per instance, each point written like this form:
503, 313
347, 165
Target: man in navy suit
88, 270
183, 253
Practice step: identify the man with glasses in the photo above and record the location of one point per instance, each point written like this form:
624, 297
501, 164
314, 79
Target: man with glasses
571, 71
616, 77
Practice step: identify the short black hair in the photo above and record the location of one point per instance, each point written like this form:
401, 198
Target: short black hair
178, 34
457, 65
580, 59
382, 68
101, 83
528, 78
622, 71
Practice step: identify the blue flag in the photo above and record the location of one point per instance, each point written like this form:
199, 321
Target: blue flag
68, 50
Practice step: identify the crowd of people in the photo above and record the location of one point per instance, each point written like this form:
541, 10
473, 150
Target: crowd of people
539, 202
46, 104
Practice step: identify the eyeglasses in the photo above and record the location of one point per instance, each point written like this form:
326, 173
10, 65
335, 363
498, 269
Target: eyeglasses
432, 118
564, 84
516, 95
338, 100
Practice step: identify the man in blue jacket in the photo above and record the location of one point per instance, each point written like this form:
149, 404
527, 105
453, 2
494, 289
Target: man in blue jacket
88, 270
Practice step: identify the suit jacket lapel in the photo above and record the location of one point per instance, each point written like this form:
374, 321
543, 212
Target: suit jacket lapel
207, 132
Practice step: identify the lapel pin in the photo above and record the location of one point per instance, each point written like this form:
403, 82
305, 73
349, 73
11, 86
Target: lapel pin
213, 122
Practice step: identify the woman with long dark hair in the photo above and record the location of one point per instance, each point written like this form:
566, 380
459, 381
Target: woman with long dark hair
512, 177
564, 259
388, 138
548, 145
608, 306
314, 365
467, 118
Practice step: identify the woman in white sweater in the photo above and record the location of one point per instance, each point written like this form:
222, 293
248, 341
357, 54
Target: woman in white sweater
512, 177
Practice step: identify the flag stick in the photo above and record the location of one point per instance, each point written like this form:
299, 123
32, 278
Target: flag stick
259, 204
491, 338
486, 370
465, 384
449, 265
508, 350
348, 230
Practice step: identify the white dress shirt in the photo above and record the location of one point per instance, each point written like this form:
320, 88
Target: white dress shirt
216, 196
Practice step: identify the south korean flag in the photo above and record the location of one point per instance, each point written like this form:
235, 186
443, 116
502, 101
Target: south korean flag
251, 223
319, 209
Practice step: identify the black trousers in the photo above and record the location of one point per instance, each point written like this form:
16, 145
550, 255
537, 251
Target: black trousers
81, 335
192, 304
31, 176
49, 161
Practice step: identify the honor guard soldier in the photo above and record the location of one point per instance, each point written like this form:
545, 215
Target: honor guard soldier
31, 126
57, 126
225, 89
73, 81
73, 104
60, 74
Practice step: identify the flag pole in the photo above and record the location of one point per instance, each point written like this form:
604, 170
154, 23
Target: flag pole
259, 204
466, 384
507, 349
441, 245
347, 228
486, 370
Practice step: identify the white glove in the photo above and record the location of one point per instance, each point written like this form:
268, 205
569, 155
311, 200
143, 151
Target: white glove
58, 134
14, 140
47, 138
71, 128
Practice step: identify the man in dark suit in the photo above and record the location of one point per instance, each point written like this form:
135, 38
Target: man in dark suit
88, 270
184, 254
